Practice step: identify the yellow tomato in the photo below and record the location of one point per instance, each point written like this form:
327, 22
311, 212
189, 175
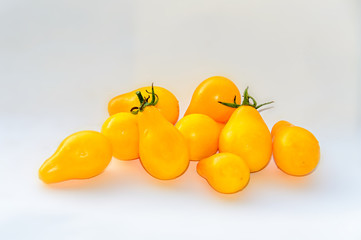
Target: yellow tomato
201, 133
296, 151
247, 135
168, 104
225, 172
83, 154
122, 131
162, 148
206, 96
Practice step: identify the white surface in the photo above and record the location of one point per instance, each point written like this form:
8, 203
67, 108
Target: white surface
60, 63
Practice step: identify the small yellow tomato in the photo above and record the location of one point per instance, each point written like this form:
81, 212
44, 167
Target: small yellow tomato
225, 172
296, 151
247, 135
122, 131
168, 104
201, 133
206, 96
83, 154
162, 148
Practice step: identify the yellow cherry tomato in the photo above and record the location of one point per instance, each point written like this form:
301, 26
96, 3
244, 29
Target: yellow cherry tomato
163, 150
83, 154
168, 104
296, 151
122, 131
201, 133
247, 135
225, 172
206, 96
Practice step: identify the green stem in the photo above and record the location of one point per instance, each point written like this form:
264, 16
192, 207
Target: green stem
245, 102
245, 98
261, 105
140, 97
232, 105
144, 101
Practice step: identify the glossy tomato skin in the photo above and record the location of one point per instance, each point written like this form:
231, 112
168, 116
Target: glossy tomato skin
122, 131
296, 151
201, 133
206, 96
225, 172
163, 150
168, 104
84, 154
247, 135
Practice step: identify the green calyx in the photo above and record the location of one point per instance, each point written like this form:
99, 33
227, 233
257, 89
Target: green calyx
144, 102
246, 101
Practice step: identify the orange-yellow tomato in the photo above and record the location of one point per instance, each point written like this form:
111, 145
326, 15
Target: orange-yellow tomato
247, 135
168, 104
201, 133
206, 96
122, 131
83, 154
163, 150
296, 151
225, 172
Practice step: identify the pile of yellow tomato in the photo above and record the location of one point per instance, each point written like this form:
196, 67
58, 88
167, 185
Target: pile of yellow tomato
143, 124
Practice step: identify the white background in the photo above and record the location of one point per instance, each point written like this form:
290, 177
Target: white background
62, 61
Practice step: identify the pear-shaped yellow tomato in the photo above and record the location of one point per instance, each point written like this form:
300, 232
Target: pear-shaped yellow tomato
201, 133
295, 150
206, 96
247, 135
225, 172
83, 154
122, 131
163, 150
168, 104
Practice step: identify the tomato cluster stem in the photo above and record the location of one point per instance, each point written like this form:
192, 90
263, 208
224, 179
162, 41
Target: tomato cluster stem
144, 102
245, 102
